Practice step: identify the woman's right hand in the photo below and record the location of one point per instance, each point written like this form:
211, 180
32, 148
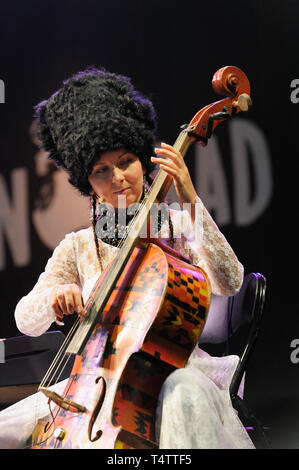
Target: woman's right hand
66, 299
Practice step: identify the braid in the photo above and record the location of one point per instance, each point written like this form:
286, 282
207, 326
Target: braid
150, 181
94, 204
171, 232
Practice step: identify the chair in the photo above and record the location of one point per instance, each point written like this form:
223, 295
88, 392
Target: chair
25, 363
226, 316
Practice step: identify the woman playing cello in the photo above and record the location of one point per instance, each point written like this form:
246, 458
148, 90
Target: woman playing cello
102, 132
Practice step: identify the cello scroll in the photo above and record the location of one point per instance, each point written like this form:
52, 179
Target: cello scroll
231, 82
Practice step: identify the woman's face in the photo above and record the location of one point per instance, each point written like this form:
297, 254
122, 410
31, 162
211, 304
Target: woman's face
117, 178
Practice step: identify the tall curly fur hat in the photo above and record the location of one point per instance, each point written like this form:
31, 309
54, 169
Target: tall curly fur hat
95, 111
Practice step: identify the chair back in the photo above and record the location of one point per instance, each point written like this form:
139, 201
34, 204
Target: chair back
250, 307
228, 314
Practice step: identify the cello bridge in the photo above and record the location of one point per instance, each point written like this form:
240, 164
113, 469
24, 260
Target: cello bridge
64, 403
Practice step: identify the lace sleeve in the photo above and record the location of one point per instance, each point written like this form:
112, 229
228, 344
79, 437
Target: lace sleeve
207, 247
33, 313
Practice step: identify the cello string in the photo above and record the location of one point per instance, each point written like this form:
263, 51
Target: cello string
61, 355
59, 364
46, 377
39, 396
113, 270
111, 274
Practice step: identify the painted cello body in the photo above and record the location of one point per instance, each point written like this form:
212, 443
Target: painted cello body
131, 352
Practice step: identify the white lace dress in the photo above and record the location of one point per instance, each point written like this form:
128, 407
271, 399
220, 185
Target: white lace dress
195, 410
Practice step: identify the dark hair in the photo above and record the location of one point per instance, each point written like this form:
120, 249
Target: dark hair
95, 111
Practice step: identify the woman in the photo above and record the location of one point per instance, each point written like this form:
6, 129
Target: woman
102, 132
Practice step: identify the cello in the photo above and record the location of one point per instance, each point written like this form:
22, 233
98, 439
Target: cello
143, 319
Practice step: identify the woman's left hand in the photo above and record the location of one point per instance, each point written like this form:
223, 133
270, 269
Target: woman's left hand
175, 166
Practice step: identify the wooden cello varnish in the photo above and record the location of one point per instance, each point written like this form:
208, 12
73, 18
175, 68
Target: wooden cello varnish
140, 351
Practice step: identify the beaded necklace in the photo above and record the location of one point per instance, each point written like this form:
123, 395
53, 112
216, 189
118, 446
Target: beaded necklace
112, 225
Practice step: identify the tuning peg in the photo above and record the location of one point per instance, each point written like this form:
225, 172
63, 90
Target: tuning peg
244, 101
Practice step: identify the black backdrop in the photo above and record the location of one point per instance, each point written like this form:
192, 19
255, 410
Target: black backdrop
171, 50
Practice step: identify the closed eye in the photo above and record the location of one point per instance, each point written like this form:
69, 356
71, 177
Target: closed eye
126, 161
102, 170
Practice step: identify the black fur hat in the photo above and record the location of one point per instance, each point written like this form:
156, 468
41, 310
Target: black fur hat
95, 111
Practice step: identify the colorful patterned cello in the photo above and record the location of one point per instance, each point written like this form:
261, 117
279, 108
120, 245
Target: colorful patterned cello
142, 320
